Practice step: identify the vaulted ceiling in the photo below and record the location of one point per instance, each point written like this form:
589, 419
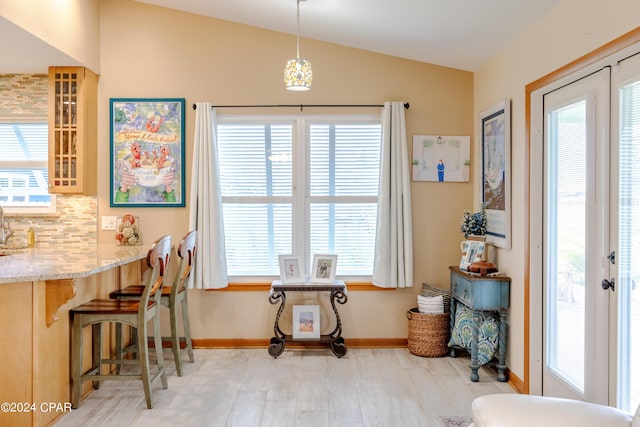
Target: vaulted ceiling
461, 34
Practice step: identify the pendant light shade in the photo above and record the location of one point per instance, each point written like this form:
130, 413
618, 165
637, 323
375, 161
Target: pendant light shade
297, 72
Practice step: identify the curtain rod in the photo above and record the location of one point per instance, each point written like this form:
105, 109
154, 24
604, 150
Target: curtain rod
301, 106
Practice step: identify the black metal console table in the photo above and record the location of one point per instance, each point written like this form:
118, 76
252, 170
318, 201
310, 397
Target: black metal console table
278, 293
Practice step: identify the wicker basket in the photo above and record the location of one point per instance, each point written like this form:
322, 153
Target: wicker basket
428, 333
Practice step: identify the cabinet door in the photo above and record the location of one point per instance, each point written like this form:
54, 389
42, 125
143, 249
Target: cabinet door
72, 130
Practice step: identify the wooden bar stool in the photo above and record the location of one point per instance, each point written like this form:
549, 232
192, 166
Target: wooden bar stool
134, 313
173, 297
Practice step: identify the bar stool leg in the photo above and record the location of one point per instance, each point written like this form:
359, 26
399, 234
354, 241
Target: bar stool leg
143, 356
175, 339
157, 341
76, 361
119, 350
185, 326
96, 355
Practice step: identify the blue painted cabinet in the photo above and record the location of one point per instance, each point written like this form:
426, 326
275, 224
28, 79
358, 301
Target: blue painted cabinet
482, 294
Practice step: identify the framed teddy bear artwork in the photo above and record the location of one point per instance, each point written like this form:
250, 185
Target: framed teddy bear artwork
147, 152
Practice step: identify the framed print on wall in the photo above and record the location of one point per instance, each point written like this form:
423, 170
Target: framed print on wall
291, 269
306, 321
323, 269
496, 173
441, 158
147, 152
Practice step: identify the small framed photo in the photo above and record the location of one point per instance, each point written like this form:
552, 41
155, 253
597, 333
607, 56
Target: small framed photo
323, 269
291, 269
306, 321
472, 251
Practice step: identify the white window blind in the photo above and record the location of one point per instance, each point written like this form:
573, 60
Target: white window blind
299, 186
628, 284
23, 166
344, 164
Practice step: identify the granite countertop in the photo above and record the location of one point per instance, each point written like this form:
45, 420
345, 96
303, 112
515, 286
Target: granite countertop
33, 264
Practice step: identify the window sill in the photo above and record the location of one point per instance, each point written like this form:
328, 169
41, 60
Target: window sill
266, 286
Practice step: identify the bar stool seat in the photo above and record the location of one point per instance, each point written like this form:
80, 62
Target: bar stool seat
134, 313
173, 297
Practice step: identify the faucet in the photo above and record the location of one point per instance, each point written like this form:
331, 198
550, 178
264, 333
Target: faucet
5, 230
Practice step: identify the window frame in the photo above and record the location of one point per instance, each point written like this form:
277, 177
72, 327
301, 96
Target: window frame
300, 198
25, 164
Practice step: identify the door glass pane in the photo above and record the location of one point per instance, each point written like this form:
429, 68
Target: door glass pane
629, 249
567, 242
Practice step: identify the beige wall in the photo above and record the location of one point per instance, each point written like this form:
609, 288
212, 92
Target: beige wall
569, 31
154, 52
72, 26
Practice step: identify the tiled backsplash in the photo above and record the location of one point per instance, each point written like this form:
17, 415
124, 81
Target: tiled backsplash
74, 222
23, 95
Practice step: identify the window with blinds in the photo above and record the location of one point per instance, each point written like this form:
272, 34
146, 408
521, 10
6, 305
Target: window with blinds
300, 186
23, 167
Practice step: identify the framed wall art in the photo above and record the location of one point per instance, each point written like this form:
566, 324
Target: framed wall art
441, 158
496, 172
291, 269
306, 321
323, 269
147, 152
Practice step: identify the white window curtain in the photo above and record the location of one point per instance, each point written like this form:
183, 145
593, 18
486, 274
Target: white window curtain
393, 259
205, 211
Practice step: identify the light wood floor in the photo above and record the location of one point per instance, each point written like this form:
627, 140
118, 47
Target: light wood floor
302, 387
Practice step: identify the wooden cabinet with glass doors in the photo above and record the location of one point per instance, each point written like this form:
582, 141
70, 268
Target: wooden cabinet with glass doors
73, 130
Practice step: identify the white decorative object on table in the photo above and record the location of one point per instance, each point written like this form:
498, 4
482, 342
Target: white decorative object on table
128, 230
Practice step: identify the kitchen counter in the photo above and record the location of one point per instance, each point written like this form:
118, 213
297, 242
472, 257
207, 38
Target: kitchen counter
34, 264
38, 287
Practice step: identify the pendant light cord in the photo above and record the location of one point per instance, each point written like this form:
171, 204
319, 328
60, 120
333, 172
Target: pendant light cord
298, 31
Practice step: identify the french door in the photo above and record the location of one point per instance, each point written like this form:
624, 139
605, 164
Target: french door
576, 200
591, 237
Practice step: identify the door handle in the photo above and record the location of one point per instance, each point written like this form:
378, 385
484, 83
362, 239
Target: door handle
606, 284
612, 257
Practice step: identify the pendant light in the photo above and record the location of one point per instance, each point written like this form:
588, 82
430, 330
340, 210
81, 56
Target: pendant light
297, 72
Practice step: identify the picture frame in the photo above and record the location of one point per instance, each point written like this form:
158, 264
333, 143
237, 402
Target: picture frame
306, 321
291, 269
472, 251
147, 152
496, 172
323, 269
441, 158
